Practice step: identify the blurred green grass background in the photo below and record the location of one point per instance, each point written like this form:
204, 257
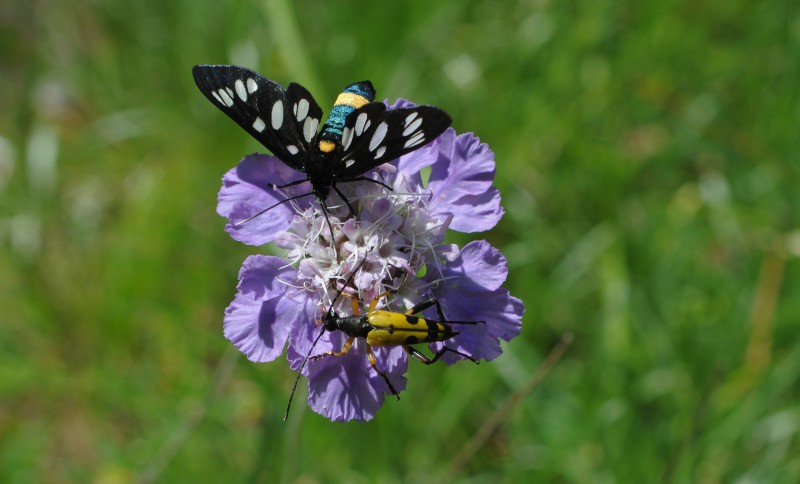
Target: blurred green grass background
647, 155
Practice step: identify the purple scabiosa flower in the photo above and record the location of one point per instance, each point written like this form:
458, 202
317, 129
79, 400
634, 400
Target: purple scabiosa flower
392, 238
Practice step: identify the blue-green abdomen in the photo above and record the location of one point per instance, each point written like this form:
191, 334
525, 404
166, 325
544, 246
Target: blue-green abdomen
352, 97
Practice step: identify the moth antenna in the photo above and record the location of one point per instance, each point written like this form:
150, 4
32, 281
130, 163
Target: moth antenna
242, 222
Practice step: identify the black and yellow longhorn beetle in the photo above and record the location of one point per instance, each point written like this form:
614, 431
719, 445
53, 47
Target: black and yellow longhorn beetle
386, 328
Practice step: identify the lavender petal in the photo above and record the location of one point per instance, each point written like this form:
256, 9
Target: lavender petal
266, 309
346, 387
471, 292
461, 183
248, 189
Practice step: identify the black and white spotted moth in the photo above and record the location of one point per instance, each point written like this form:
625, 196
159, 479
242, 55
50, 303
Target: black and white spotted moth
358, 135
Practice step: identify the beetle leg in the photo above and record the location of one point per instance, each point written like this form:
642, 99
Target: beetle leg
433, 301
344, 351
418, 308
374, 303
374, 363
419, 356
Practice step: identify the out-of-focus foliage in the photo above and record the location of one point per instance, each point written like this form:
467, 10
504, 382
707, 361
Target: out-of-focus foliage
647, 155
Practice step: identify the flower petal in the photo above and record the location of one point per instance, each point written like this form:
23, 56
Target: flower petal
461, 183
470, 291
301, 340
346, 387
264, 277
400, 103
476, 265
502, 314
252, 326
263, 313
410, 164
248, 189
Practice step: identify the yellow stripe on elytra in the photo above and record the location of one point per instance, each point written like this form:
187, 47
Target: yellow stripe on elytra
351, 99
393, 329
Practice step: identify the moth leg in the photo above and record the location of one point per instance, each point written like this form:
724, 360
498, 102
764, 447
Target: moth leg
346, 201
363, 178
291, 184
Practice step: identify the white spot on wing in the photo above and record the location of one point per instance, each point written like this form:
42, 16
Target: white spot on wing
302, 109
310, 129
347, 137
226, 98
216, 96
377, 137
361, 123
292, 149
414, 140
410, 117
412, 127
259, 125
277, 115
349, 163
380, 152
240, 90
252, 86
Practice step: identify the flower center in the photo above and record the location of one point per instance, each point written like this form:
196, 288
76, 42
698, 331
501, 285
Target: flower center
380, 249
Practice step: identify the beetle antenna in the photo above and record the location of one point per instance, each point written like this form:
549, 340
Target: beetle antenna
330, 228
346, 283
308, 355
300, 372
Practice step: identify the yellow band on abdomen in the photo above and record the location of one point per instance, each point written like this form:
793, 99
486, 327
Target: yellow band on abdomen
351, 99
